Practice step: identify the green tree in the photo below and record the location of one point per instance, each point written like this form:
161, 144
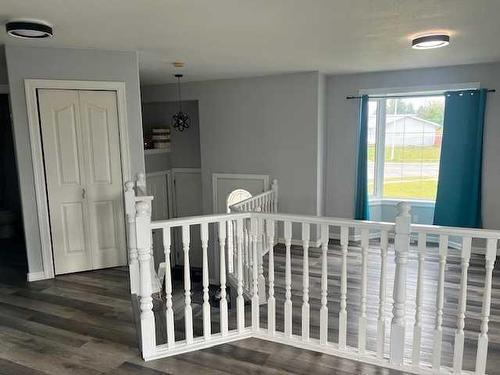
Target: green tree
432, 111
403, 107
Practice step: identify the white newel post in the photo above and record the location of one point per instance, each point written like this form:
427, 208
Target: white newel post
482, 343
141, 184
143, 230
133, 264
274, 188
401, 246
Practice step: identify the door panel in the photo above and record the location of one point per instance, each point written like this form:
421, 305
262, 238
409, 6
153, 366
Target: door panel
63, 153
99, 115
84, 181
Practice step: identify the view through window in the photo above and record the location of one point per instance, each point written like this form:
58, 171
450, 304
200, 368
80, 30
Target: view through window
404, 146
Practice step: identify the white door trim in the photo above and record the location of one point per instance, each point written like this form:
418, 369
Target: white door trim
31, 86
217, 176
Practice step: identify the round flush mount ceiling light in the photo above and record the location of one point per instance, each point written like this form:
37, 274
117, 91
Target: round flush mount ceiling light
29, 29
430, 41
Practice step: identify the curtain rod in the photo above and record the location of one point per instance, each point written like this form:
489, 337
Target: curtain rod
405, 96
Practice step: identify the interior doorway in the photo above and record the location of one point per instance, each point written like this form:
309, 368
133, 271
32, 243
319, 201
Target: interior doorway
13, 260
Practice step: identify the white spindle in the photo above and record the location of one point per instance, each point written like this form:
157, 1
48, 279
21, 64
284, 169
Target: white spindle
168, 288
344, 242
288, 279
142, 222
271, 302
188, 312
462, 303
482, 344
207, 329
364, 285
438, 329
246, 253
305, 281
417, 329
323, 312
401, 247
382, 294
255, 287
133, 264
240, 302
260, 249
223, 293
230, 244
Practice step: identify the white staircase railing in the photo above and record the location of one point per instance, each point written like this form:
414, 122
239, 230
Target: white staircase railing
248, 230
266, 202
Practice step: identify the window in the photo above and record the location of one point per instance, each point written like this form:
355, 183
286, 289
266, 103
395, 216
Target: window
236, 196
404, 146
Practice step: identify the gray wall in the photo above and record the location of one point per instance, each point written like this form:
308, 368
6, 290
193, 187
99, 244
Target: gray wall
65, 64
264, 125
342, 120
185, 145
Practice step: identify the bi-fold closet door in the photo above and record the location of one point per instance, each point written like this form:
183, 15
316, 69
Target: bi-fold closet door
81, 148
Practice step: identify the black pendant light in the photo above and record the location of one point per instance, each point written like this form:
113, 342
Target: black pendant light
180, 120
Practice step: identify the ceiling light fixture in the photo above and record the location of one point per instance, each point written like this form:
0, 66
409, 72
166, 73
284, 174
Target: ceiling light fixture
29, 29
181, 120
430, 41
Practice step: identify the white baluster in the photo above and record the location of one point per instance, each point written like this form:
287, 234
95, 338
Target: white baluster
305, 281
240, 302
133, 264
247, 257
382, 294
188, 312
417, 330
438, 329
364, 285
482, 344
323, 311
274, 188
288, 280
143, 229
271, 302
260, 249
168, 289
230, 244
401, 247
207, 328
223, 293
344, 243
255, 287
462, 304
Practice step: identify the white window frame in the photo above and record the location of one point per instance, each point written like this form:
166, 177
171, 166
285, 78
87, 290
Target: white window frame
377, 196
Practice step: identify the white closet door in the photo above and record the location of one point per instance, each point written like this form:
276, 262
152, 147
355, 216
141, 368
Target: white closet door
104, 189
84, 184
63, 154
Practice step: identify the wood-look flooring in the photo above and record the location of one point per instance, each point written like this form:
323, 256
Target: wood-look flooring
84, 324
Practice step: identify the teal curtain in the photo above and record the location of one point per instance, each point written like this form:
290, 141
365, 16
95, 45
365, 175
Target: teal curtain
361, 209
458, 201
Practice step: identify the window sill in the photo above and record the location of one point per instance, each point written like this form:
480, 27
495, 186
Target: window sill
416, 202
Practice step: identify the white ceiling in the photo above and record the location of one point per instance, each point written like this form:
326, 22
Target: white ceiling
236, 38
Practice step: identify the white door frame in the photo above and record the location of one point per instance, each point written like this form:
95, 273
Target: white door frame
219, 176
31, 86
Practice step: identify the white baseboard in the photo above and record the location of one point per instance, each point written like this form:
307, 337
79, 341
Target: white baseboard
36, 276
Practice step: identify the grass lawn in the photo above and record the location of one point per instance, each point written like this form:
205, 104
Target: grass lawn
409, 154
423, 189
